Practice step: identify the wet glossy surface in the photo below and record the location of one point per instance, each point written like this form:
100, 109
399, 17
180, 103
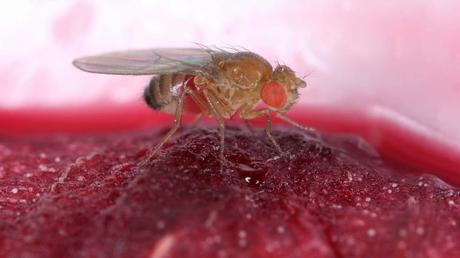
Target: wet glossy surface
69, 196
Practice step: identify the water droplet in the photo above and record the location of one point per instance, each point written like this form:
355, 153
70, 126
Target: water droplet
280, 229
350, 176
242, 241
371, 232
401, 245
402, 232
161, 224
252, 176
419, 230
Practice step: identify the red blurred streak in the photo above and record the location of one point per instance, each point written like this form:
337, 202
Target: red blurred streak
88, 119
391, 139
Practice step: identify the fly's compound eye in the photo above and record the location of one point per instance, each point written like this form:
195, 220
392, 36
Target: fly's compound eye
274, 95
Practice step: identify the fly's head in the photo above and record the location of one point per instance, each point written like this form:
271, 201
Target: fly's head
280, 93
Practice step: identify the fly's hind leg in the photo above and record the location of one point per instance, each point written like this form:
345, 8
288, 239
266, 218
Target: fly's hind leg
220, 123
177, 122
248, 114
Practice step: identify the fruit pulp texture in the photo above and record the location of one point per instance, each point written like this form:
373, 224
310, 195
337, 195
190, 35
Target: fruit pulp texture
329, 196
420, 149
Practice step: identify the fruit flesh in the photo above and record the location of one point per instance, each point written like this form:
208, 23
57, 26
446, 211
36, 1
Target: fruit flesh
333, 196
409, 143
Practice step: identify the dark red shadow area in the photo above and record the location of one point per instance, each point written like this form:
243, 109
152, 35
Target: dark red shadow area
332, 196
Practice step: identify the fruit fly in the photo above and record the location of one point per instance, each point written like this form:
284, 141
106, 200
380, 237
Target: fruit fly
212, 82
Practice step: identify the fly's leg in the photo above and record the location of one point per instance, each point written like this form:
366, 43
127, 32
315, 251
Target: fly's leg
201, 104
249, 126
177, 121
224, 106
253, 114
295, 124
220, 123
213, 90
197, 119
198, 100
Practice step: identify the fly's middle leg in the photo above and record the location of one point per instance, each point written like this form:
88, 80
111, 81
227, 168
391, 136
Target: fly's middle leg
202, 105
220, 123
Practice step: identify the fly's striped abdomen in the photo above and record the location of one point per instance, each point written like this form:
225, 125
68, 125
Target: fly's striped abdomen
161, 90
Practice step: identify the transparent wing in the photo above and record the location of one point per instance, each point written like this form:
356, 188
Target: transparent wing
146, 61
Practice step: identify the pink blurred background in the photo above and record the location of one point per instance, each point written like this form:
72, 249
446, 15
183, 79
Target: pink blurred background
390, 61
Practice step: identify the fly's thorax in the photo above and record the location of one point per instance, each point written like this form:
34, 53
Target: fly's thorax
235, 79
163, 90
244, 70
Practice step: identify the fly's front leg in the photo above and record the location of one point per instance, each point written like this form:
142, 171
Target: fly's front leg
295, 124
248, 114
220, 123
177, 121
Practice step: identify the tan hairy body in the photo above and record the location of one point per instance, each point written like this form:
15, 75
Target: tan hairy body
220, 84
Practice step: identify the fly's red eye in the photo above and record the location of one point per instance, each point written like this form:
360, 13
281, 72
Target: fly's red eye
274, 95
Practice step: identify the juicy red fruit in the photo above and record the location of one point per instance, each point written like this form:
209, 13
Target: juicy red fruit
85, 196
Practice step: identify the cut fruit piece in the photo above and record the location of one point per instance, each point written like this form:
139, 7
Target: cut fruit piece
85, 196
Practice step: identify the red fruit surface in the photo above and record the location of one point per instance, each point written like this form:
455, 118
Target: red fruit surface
331, 196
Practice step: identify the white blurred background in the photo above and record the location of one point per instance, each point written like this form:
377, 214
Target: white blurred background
388, 58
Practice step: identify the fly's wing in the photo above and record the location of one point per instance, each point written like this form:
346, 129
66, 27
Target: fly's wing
147, 61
